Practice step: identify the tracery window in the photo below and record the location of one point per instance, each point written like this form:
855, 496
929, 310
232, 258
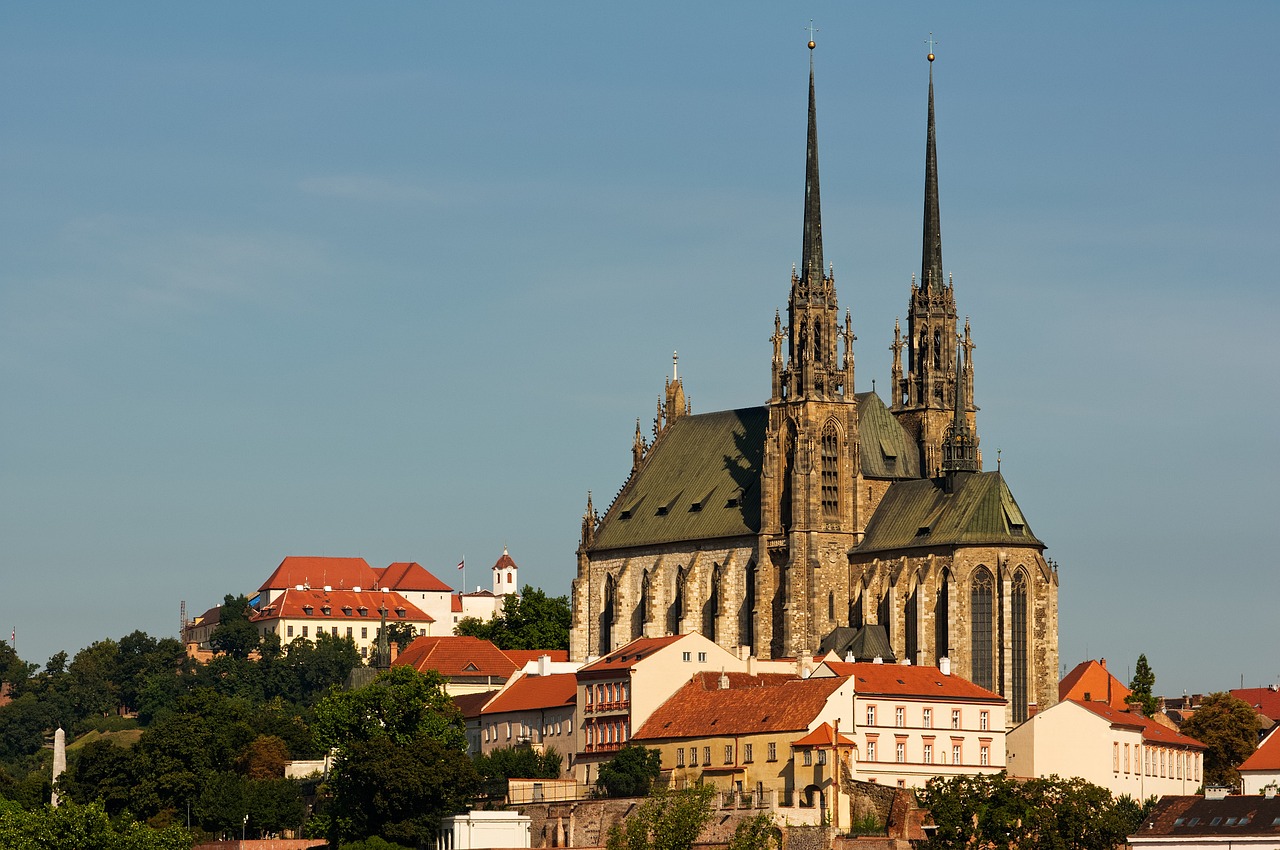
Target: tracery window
1018, 616
830, 472
981, 605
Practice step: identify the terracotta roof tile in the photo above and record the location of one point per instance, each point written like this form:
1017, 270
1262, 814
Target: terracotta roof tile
455, 603
410, 575
1151, 730
505, 561
471, 704
528, 693
1234, 816
1092, 678
1266, 757
910, 681
341, 605
457, 656
824, 736
626, 657
318, 572
1265, 701
751, 704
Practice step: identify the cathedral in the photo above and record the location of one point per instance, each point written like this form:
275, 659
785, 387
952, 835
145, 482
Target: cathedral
827, 519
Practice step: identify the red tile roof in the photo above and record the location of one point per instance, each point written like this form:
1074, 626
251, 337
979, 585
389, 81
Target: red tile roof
524, 656
471, 704
1265, 701
505, 561
341, 605
455, 603
529, 693
318, 572
824, 736
410, 575
901, 680
750, 705
457, 656
1266, 757
1152, 731
1093, 678
626, 657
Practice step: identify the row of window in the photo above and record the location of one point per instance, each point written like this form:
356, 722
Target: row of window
605, 734
522, 730
610, 694
702, 656
928, 754
926, 718
1156, 761
748, 755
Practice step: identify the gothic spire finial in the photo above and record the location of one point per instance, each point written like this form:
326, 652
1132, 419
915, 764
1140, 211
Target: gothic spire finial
931, 263
811, 254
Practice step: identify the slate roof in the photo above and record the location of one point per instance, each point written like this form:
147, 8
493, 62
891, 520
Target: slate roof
1196, 816
1266, 757
700, 480
529, 693
751, 705
902, 680
410, 575
457, 656
978, 509
887, 451
1093, 678
318, 604
319, 571
1152, 732
866, 644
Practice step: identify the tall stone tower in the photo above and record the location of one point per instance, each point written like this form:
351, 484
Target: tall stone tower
809, 509
924, 398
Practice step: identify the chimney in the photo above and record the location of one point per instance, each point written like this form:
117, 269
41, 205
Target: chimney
724, 680
1103, 663
944, 665
1269, 792
848, 657
751, 665
877, 660
544, 665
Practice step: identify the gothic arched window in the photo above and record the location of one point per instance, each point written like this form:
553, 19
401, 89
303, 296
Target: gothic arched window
830, 472
711, 608
788, 469
942, 617
1018, 623
911, 614
607, 609
676, 610
937, 349
982, 642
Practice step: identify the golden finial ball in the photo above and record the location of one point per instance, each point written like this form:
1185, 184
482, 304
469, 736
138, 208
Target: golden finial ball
930, 57
812, 45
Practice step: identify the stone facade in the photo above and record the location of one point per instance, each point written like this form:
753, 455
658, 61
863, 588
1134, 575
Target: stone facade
826, 508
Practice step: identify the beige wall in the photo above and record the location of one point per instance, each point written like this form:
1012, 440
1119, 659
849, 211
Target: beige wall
916, 732
1069, 740
364, 632
551, 727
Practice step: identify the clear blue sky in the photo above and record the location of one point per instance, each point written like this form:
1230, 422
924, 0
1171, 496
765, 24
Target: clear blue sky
394, 280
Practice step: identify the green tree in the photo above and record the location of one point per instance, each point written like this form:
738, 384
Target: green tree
82, 826
1228, 727
401, 704
1000, 812
234, 634
1142, 683
497, 766
756, 833
668, 820
401, 634
263, 758
630, 773
397, 791
532, 620
13, 669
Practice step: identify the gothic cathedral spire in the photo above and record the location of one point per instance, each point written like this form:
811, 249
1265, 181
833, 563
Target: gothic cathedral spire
810, 473
936, 379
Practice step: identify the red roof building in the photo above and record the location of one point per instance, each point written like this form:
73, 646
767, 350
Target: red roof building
533, 710
470, 664
1265, 701
1262, 769
1090, 681
294, 614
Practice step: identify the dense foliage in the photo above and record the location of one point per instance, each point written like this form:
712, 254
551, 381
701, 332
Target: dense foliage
532, 620
630, 773
84, 827
1228, 727
503, 763
1053, 814
668, 820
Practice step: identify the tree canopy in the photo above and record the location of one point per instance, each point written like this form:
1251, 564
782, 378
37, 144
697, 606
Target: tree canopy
630, 773
532, 620
668, 820
499, 765
1050, 814
1228, 727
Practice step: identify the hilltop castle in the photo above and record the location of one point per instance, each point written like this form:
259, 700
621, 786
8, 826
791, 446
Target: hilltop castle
826, 518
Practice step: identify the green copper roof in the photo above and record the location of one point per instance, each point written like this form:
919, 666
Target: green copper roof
701, 480
977, 509
886, 450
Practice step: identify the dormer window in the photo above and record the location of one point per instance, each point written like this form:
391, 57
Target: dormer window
364, 612
307, 609
346, 609
400, 612
326, 610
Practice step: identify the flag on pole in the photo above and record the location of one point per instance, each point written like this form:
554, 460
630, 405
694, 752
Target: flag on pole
462, 563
